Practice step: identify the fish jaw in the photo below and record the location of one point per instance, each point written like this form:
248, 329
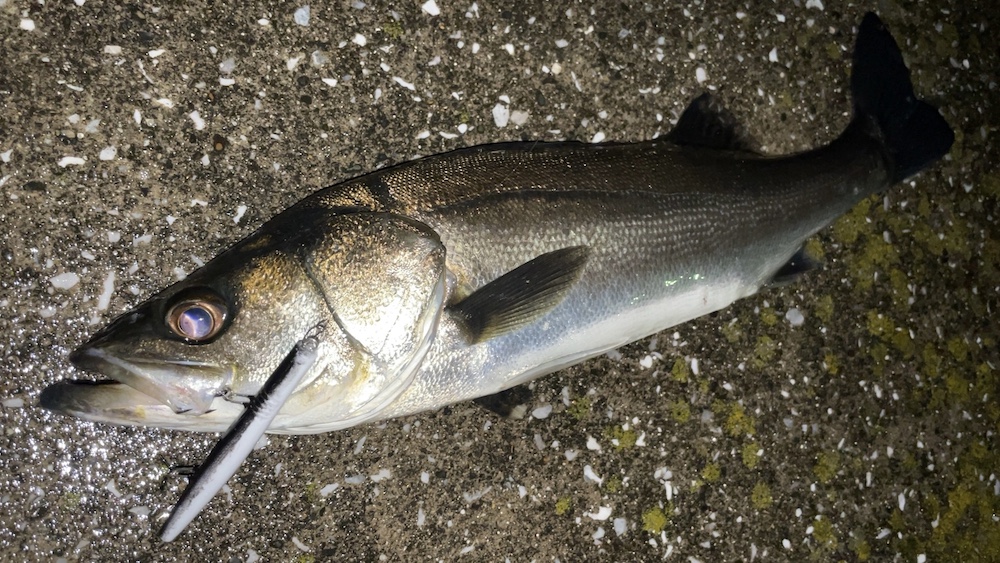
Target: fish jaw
112, 402
187, 387
137, 388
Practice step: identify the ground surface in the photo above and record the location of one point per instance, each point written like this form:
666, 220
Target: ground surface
868, 432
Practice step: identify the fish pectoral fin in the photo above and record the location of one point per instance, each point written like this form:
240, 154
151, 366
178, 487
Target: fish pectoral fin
798, 264
523, 294
705, 123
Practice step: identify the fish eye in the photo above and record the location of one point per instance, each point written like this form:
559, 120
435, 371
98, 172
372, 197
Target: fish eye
197, 316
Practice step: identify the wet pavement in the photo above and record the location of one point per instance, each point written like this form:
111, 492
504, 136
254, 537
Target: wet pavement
852, 416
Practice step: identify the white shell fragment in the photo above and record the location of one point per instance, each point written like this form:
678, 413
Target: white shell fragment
519, 117
542, 412
590, 475
240, 210
404, 83
65, 280
603, 513
199, 122
501, 115
794, 317
301, 15
430, 8
71, 161
107, 288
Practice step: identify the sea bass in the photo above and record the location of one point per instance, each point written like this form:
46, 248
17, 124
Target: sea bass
460, 275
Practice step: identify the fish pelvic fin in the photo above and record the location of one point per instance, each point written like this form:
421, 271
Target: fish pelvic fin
800, 263
523, 294
912, 131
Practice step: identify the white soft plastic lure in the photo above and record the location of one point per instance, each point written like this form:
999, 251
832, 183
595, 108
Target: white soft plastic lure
229, 453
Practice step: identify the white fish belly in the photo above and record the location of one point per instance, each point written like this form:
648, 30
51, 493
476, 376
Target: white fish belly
560, 339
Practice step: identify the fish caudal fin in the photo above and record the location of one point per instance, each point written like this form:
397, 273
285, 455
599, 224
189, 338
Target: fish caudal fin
913, 132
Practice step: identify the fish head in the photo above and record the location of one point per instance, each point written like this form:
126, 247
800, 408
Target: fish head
191, 355
187, 356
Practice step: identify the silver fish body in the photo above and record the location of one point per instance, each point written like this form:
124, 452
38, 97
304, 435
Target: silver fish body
463, 274
673, 232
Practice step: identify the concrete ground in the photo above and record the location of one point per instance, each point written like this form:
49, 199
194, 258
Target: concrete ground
137, 140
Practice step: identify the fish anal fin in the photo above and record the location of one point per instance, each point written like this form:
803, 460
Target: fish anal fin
522, 295
705, 123
797, 265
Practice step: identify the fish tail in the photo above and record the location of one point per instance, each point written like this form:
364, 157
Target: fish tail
912, 131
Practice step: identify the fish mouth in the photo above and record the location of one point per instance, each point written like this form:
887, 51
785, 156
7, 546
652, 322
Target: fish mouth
111, 402
185, 387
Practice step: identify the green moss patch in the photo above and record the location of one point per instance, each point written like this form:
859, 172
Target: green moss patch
654, 520
760, 497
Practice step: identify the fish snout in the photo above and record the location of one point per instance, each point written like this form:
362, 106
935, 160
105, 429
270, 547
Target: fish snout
83, 360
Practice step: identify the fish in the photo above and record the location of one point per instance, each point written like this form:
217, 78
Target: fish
461, 275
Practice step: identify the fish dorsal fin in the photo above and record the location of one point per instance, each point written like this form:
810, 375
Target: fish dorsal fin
521, 295
798, 264
705, 123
